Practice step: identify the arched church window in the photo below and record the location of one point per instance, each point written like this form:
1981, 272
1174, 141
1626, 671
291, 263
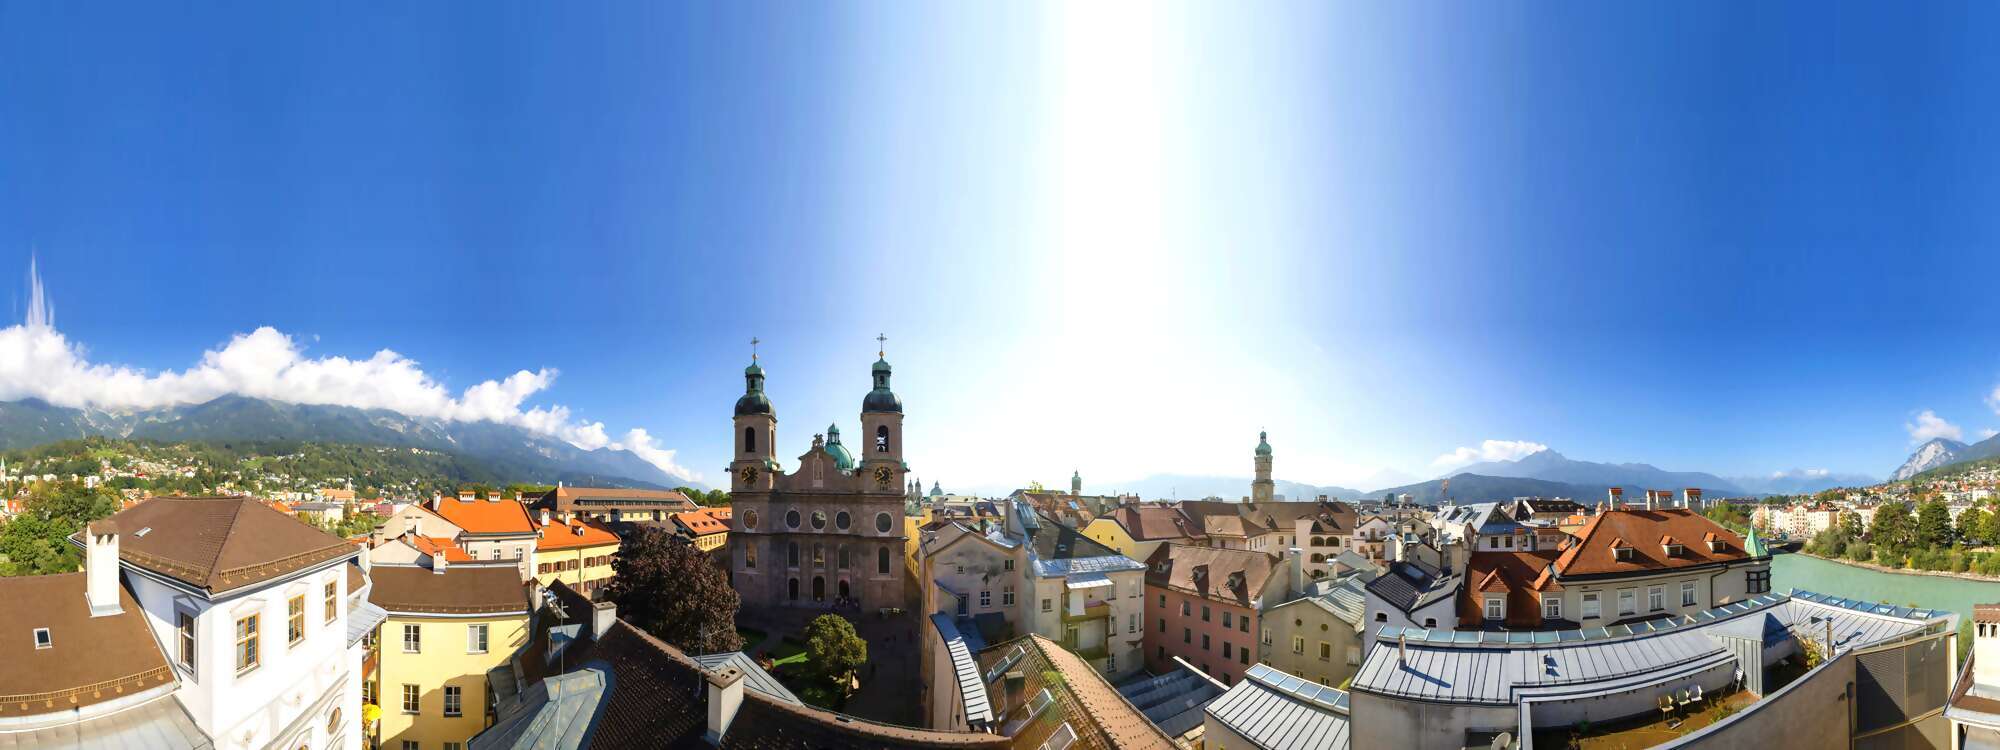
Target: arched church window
882, 560
750, 556
819, 555
882, 438
749, 440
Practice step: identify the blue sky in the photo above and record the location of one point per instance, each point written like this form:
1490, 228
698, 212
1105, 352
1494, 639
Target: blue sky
1113, 238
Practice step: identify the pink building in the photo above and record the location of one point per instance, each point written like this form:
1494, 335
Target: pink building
1203, 604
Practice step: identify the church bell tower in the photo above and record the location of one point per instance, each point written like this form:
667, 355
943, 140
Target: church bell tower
756, 433
882, 430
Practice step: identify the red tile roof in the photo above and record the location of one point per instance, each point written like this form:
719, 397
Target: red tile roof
1520, 575
433, 545
574, 534
1148, 523
1591, 554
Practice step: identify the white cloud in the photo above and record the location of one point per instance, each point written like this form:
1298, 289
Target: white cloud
1987, 433
1929, 425
1491, 450
1800, 474
1993, 399
37, 361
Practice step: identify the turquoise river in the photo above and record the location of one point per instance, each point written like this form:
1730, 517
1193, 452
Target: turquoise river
1789, 571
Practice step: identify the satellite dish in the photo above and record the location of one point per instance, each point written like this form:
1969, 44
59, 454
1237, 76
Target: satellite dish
1503, 741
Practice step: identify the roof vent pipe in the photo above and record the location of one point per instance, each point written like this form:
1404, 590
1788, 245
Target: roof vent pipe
1402, 648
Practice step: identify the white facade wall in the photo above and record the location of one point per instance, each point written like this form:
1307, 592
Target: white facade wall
290, 683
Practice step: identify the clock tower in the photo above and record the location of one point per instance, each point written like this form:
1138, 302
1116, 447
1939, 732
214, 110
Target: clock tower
756, 434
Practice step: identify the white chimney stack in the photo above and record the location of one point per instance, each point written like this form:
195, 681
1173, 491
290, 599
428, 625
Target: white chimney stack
101, 572
725, 695
545, 516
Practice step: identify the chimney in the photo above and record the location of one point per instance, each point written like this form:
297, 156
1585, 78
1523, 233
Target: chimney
466, 496
1691, 498
1652, 499
545, 516
1616, 499
603, 615
1402, 648
101, 567
725, 695
438, 563
1298, 570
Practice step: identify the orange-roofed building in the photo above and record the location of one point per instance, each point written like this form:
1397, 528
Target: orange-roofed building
493, 528
578, 553
702, 527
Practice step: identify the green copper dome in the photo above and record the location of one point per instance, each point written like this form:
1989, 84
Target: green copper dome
754, 402
842, 460
881, 399
1263, 447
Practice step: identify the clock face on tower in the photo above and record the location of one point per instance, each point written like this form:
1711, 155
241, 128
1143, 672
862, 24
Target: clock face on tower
884, 475
748, 474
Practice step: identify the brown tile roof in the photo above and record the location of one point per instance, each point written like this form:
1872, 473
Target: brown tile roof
1100, 717
459, 590
1147, 523
486, 516
1590, 553
1986, 613
565, 499
218, 543
1518, 574
659, 698
1205, 571
574, 534
113, 656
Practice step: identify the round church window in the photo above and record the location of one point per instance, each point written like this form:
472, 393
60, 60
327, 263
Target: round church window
841, 520
882, 522
819, 520
750, 519
792, 519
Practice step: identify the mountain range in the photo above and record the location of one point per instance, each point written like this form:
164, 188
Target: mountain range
1547, 473
513, 451
1189, 487
1942, 452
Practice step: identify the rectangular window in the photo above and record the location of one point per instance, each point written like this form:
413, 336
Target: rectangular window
185, 625
1008, 564
1187, 635
1007, 597
1187, 608
475, 639
1204, 613
452, 701
985, 598
454, 746
413, 639
410, 694
410, 745
1591, 608
1242, 657
1265, 637
1204, 641
1298, 644
1496, 608
1656, 599
1228, 619
1045, 605
1552, 608
1163, 625
295, 620
368, 691
246, 644
1759, 581
1325, 651
332, 601
1243, 623
1628, 601
1687, 593
1353, 655
1225, 649
1163, 601
1132, 623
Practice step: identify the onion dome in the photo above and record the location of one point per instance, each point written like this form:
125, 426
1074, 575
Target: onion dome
881, 399
754, 401
842, 460
1263, 447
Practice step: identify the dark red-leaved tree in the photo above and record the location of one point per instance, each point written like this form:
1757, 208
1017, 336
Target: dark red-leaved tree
667, 587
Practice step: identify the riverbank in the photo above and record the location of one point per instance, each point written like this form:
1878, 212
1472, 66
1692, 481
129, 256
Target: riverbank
1968, 576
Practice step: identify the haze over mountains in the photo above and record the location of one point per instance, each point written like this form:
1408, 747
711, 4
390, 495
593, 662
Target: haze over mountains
514, 451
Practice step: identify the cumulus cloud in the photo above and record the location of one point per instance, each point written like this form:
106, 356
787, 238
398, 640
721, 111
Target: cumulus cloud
1993, 399
1987, 433
1928, 425
1491, 450
37, 361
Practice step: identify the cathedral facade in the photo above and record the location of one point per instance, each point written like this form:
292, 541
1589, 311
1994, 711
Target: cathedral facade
829, 530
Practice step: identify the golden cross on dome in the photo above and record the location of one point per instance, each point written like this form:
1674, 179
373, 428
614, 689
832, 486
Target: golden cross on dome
881, 345
753, 348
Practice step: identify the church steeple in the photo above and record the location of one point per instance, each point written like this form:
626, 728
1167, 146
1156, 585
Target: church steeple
1262, 490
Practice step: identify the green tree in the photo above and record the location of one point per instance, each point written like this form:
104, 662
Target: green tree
668, 588
1850, 524
1972, 526
36, 541
1933, 524
1892, 527
835, 649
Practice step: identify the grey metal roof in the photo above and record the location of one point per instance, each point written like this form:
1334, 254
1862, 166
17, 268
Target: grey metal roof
971, 688
362, 617
754, 677
1497, 668
1174, 701
1279, 711
558, 713
159, 724
1410, 587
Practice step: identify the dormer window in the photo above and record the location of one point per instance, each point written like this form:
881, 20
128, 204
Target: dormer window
1716, 545
1675, 550
43, 639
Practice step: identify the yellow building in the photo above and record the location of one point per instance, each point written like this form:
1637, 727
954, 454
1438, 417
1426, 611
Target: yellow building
911, 538
704, 528
1136, 530
578, 553
447, 627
